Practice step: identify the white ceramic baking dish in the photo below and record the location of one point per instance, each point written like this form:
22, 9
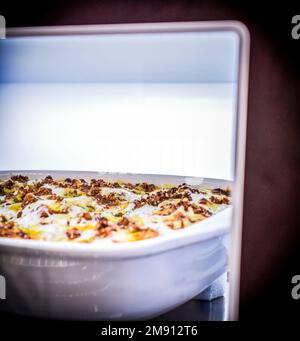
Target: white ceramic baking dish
136, 280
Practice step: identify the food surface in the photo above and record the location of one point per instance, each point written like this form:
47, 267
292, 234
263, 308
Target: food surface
97, 210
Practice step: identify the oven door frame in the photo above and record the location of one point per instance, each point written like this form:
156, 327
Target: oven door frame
241, 108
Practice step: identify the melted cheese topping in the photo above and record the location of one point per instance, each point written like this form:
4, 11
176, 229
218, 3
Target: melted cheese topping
80, 211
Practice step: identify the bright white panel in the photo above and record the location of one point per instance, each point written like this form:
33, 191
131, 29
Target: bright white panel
195, 57
183, 129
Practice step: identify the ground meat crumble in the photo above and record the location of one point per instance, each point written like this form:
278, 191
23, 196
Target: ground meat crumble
175, 206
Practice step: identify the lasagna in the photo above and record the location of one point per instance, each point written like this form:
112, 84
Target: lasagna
78, 210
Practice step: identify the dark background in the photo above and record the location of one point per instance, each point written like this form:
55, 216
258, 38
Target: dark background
271, 235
